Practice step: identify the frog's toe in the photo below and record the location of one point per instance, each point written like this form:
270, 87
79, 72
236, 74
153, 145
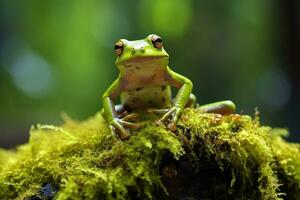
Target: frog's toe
172, 126
112, 130
119, 133
131, 125
123, 136
130, 117
117, 129
157, 111
173, 113
159, 122
176, 115
123, 114
168, 114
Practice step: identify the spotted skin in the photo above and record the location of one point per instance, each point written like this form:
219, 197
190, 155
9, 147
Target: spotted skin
143, 98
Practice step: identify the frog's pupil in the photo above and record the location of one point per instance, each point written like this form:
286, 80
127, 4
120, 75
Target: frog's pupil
158, 40
118, 47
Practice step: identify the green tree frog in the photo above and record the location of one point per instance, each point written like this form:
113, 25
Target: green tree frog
144, 82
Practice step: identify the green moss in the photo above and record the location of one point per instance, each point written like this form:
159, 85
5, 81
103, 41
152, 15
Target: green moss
83, 161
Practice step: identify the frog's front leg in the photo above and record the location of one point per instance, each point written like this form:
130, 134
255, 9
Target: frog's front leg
183, 96
116, 122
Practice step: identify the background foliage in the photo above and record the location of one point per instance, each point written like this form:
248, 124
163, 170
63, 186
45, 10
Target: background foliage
58, 55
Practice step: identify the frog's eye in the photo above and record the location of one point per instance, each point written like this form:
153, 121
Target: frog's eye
119, 48
157, 41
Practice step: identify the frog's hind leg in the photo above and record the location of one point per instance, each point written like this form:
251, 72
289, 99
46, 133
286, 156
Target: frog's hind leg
221, 107
192, 101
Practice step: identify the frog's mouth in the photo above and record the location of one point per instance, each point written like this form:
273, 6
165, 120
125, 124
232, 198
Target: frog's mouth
145, 60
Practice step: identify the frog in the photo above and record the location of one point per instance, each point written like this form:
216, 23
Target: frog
144, 83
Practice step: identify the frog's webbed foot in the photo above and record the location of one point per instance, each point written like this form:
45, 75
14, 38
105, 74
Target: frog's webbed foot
128, 117
118, 124
173, 112
117, 129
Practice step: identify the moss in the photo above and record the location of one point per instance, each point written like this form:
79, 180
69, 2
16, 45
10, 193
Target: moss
209, 156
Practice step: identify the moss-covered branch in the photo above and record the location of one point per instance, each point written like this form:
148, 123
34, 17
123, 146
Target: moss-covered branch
209, 157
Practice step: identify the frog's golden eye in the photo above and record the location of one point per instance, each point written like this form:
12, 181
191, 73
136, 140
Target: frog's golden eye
157, 41
119, 48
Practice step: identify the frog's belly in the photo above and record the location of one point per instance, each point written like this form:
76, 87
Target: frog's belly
147, 97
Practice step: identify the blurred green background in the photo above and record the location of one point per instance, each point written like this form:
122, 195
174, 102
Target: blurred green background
57, 56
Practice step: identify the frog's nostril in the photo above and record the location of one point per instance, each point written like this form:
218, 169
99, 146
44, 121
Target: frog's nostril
133, 51
140, 50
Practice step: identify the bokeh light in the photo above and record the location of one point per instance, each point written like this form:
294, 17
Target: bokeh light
29, 71
169, 17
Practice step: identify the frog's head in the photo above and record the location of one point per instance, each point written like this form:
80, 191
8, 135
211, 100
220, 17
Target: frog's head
141, 52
